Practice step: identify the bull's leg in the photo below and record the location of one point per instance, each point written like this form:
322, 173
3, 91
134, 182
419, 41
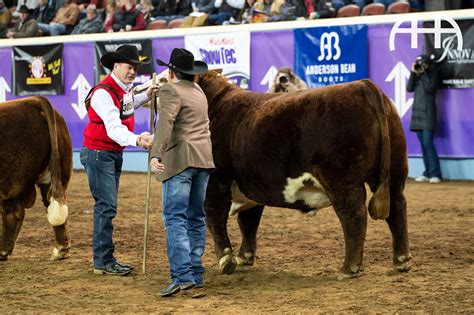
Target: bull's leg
12, 219
62, 244
397, 221
249, 220
352, 212
218, 201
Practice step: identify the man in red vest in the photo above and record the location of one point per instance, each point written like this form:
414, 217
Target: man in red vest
111, 106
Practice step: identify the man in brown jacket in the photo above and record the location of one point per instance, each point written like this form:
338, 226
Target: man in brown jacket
182, 158
26, 27
64, 20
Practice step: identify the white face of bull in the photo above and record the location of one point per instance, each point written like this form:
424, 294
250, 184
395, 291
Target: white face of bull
307, 189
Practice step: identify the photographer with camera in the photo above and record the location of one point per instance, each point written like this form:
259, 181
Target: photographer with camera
424, 81
286, 81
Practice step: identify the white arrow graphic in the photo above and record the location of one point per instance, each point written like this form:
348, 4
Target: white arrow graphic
269, 76
3, 89
82, 87
400, 75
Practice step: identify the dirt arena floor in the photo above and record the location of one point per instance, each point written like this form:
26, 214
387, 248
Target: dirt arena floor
298, 258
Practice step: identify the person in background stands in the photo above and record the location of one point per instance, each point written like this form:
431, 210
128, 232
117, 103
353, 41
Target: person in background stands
169, 10
227, 10
305, 9
92, 23
424, 81
200, 14
5, 18
26, 27
126, 18
44, 13
110, 107
64, 20
265, 11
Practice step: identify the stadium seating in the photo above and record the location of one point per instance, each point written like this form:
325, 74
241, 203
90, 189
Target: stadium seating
373, 9
348, 10
175, 23
157, 24
398, 7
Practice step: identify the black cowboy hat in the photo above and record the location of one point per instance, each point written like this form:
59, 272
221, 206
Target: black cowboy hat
125, 53
24, 9
182, 60
425, 58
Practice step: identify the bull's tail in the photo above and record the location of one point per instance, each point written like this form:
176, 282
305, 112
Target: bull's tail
56, 191
379, 205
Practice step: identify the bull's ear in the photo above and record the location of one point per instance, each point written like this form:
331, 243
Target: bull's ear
218, 70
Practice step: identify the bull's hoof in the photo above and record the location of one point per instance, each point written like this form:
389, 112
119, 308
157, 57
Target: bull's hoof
3, 257
227, 263
353, 272
403, 263
247, 259
60, 254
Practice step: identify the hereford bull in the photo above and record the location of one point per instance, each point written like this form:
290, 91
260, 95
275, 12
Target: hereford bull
35, 149
305, 150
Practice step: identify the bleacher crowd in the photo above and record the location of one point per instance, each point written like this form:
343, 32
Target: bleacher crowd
30, 18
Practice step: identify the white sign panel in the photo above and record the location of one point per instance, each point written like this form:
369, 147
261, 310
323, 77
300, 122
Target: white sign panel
229, 52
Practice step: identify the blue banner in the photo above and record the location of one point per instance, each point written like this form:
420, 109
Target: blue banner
331, 55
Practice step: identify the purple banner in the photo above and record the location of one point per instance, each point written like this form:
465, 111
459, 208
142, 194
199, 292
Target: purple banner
264, 61
390, 70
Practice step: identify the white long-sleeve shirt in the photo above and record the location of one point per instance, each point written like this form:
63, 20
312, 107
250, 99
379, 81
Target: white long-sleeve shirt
104, 106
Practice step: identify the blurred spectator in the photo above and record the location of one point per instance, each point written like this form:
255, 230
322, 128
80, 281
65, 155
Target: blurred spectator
5, 18
337, 4
226, 9
417, 5
305, 9
92, 23
169, 10
84, 4
200, 14
126, 18
110, 9
146, 7
44, 13
26, 27
64, 20
265, 11
30, 4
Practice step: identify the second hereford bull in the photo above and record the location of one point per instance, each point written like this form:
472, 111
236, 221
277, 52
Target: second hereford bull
305, 150
35, 148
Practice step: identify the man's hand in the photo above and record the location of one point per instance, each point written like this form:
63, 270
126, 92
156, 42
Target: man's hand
152, 88
145, 140
156, 166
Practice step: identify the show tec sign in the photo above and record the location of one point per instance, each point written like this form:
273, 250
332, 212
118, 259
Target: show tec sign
331, 55
228, 51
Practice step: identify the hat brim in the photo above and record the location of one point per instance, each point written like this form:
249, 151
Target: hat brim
110, 58
199, 67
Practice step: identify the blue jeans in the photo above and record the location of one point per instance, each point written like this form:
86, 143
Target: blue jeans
53, 29
103, 170
185, 224
430, 156
386, 3
337, 4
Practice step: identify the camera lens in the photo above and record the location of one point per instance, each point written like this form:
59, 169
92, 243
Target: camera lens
283, 79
